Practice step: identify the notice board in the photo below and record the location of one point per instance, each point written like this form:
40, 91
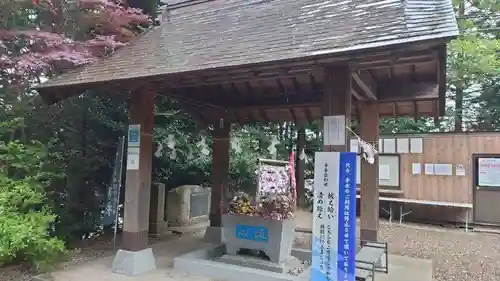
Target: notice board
388, 170
488, 172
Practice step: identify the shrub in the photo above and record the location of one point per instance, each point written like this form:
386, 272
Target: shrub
25, 218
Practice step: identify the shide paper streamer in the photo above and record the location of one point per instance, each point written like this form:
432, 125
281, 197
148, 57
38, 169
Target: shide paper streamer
368, 151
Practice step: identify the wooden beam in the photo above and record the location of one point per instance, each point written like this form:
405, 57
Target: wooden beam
357, 95
337, 98
415, 110
179, 95
290, 98
402, 90
369, 217
220, 170
366, 82
423, 57
313, 99
308, 114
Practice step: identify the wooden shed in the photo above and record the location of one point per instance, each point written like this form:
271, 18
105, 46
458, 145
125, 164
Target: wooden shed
443, 167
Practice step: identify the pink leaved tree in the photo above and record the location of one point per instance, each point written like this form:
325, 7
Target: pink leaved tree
40, 38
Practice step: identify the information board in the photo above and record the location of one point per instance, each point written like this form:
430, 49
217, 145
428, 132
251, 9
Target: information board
488, 172
334, 221
134, 135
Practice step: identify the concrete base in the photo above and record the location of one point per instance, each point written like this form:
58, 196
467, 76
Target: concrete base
214, 235
133, 263
204, 262
194, 228
158, 228
253, 263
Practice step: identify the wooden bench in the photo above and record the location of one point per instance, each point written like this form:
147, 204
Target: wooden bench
371, 258
401, 201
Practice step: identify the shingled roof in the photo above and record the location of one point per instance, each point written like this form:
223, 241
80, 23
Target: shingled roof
222, 33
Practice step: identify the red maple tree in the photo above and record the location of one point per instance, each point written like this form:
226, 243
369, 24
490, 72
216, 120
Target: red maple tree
54, 36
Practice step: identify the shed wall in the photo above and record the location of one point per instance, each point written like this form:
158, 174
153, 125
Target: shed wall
443, 148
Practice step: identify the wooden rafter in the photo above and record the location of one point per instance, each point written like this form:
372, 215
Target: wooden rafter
367, 84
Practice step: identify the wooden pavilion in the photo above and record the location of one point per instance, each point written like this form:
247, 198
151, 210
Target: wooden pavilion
236, 61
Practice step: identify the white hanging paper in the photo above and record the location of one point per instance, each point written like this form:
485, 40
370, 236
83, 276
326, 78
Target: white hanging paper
334, 130
443, 169
416, 168
235, 144
190, 155
384, 172
171, 141
158, 151
403, 145
429, 169
416, 145
133, 158
380, 145
459, 170
354, 147
302, 155
202, 145
367, 151
389, 146
272, 147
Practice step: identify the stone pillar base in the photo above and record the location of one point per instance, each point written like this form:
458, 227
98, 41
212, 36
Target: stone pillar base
214, 235
368, 234
158, 229
133, 263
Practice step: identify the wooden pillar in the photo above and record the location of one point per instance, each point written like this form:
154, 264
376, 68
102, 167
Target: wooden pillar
220, 170
337, 99
369, 192
300, 167
138, 178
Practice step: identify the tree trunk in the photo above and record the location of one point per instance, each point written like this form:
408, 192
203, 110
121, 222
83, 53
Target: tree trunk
459, 91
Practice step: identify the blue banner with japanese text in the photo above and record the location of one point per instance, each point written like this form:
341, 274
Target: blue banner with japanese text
334, 222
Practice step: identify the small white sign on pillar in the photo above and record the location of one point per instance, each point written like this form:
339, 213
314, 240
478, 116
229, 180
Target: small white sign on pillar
133, 158
334, 130
133, 146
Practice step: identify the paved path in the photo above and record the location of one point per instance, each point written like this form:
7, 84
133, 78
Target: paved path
165, 252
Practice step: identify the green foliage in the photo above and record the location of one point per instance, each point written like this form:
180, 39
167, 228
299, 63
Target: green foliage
25, 218
473, 61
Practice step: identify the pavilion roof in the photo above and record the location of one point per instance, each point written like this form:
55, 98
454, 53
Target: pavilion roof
203, 35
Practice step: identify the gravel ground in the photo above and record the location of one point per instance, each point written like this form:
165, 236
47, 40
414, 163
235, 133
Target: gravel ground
456, 255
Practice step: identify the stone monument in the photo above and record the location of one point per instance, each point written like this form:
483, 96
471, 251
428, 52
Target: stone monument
188, 205
157, 222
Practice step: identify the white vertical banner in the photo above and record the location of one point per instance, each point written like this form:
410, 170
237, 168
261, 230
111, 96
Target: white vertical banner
334, 217
334, 130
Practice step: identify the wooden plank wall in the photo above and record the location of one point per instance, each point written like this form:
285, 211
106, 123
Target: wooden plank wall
444, 148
